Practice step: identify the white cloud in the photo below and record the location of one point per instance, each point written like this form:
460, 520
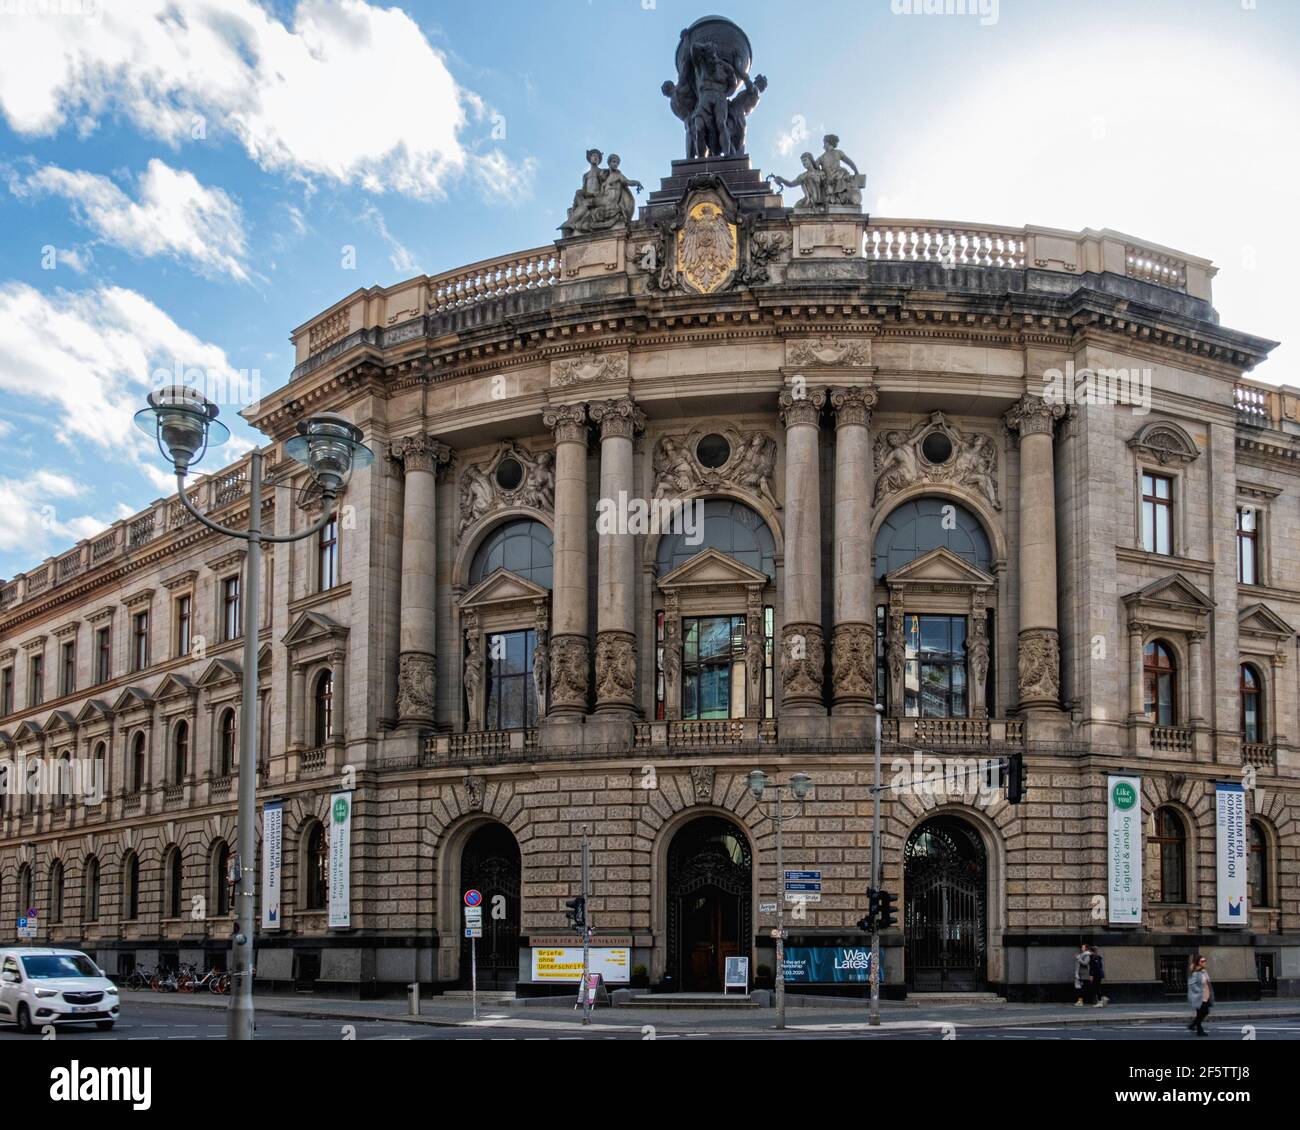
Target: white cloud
86, 359
348, 92
175, 215
31, 517
399, 254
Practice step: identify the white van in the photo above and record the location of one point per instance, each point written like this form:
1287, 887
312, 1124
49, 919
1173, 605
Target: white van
49, 986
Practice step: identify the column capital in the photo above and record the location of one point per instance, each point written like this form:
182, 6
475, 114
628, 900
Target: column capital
803, 409
419, 453
1034, 416
619, 417
853, 404
567, 421
1138, 627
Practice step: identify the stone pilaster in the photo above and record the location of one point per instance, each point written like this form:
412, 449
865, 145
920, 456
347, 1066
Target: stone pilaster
802, 658
569, 646
853, 660
977, 656
1136, 692
420, 457
298, 712
1040, 650
619, 421
1196, 684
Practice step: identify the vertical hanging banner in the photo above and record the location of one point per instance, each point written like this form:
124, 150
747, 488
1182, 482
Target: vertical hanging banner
1230, 837
341, 859
272, 839
1124, 850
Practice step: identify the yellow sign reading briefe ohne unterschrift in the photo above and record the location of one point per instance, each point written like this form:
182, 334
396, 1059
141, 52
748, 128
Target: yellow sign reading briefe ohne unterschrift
564, 963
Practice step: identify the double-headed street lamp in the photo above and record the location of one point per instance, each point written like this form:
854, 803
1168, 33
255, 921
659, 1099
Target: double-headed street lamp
185, 424
801, 785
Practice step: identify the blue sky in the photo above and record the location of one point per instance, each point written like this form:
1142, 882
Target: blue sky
193, 172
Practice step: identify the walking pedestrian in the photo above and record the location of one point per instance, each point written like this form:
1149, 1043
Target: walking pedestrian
1082, 972
1200, 995
1097, 969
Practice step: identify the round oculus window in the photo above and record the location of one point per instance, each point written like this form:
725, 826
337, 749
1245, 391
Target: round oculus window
713, 451
937, 448
509, 474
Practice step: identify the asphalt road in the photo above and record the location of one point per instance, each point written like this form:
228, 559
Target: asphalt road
172, 1022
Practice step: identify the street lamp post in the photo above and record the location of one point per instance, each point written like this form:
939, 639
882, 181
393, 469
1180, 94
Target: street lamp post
184, 423
801, 785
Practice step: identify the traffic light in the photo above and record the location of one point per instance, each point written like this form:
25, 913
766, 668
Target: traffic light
888, 913
1017, 785
577, 913
867, 922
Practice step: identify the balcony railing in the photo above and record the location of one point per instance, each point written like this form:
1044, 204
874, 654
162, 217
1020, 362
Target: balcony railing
1171, 739
220, 788
1259, 754
953, 733
312, 760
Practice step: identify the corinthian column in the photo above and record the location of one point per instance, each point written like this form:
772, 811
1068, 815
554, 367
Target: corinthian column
802, 662
420, 456
569, 647
1040, 646
619, 422
853, 658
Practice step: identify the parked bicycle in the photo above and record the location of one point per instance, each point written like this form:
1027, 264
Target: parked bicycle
141, 978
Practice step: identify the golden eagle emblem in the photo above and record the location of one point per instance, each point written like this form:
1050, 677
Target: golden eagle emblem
706, 248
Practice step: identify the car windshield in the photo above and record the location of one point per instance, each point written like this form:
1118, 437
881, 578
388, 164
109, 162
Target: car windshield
44, 966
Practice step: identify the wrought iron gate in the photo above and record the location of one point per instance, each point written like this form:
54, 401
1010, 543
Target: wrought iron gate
945, 919
709, 885
491, 864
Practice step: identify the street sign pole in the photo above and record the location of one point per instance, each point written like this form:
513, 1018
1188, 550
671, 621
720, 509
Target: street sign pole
780, 920
586, 932
875, 882
473, 975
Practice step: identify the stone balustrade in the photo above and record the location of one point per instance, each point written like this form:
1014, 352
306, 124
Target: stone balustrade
1259, 754
1171, 739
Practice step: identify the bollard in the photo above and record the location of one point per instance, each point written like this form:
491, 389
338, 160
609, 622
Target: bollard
413, 998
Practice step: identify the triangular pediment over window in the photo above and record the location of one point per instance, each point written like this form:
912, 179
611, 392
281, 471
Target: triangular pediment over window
502, 587
712, 570
27, 729
220, 671
96, 709
938, 570
311, 627
1174, 591
60, 720
131, 697
1261, 621
174, 686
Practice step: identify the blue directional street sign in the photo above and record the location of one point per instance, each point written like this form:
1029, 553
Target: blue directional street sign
803, 875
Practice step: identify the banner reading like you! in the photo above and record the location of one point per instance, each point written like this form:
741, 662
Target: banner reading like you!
1124, 849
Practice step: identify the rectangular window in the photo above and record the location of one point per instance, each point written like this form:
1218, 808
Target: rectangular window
934, 670
328, 572
230, 625
1157, 513
7, 691
882, 676
140, 641
103, 655
769, 653
713, 667
659, 667
36, 687
1247, 545
511, 695
183, 619
68, 667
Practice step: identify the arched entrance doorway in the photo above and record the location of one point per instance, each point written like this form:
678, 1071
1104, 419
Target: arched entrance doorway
945, 880
490, 864
709, 911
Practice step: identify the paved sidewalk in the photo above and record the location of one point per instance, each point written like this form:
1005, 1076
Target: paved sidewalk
807, 1015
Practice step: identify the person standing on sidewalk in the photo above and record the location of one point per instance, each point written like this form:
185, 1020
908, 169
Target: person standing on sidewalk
1097, 970
1200, 995
1082, 972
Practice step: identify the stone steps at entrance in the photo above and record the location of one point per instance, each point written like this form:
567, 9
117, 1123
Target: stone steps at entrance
488, 996
689, 1000
955, 998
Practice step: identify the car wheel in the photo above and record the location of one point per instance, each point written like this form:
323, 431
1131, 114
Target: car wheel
25, 1020
105, 1025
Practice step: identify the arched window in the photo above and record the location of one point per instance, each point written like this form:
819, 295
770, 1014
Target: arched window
138, 764
220, 874
24, 889
315, 868
522, 546
729, 527
63, 787
180, 752
323, 701
1252, 703
1258, 865
226, 744
131, 887
1160, 677
56, 891
922, 524
173, 884
101, 768
1171, 844
90, 891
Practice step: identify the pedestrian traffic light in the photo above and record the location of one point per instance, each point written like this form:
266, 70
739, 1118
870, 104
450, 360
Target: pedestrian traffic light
1016, 782
888, 914
577, 913
868, 921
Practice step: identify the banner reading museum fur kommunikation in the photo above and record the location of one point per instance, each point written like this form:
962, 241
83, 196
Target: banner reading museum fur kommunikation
1124, 849
341, 859
1230, 844
272, 844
